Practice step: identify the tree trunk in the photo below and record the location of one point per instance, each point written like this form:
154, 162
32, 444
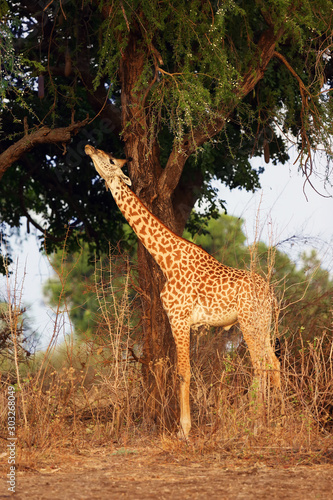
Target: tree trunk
159, 347
145, 170
161, 191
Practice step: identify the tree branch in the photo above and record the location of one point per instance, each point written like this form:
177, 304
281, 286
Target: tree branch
44, 135
307, 165
292, 71
205, 131
33, 222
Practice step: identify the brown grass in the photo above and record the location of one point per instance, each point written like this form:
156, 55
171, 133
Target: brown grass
91, 393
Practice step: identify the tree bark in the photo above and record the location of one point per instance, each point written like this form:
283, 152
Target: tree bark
145, 170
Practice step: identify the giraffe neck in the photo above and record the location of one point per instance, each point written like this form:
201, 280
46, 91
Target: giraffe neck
162, 243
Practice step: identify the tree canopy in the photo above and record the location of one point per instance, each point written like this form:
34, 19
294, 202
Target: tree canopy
190, 90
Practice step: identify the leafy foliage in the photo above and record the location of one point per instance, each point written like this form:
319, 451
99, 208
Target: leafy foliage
67, 61
84, 283
199, 52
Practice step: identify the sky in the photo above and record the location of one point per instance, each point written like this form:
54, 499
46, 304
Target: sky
30, 270
286, 212
282, 209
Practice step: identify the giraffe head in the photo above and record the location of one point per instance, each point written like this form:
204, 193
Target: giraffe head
107, 166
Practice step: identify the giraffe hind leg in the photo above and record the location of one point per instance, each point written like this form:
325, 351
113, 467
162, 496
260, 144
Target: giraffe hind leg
264, 360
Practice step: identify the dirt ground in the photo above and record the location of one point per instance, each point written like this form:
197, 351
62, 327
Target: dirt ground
148, 472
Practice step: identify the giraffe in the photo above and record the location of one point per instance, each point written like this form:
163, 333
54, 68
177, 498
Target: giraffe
198, 289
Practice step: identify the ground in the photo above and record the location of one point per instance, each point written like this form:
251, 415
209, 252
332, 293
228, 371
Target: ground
153, 472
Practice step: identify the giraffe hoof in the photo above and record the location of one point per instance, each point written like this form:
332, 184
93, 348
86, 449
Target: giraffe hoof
181, 435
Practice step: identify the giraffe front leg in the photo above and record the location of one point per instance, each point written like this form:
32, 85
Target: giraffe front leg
181, 335
180, 325
184, 374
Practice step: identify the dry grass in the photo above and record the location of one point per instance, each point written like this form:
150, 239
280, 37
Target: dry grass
91, 393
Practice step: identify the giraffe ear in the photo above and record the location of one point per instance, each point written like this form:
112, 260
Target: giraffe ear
116, 161
121, 163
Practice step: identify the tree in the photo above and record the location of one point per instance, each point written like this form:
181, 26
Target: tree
17, 341
188, 90
311, 303
224, 239
80, 284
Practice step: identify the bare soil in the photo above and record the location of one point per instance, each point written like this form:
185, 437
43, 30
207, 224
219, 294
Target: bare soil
152, 472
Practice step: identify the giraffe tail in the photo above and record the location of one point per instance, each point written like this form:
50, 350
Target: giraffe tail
277, 342
277, 348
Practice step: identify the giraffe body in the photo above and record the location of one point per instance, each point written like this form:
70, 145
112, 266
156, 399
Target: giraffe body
199, 289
